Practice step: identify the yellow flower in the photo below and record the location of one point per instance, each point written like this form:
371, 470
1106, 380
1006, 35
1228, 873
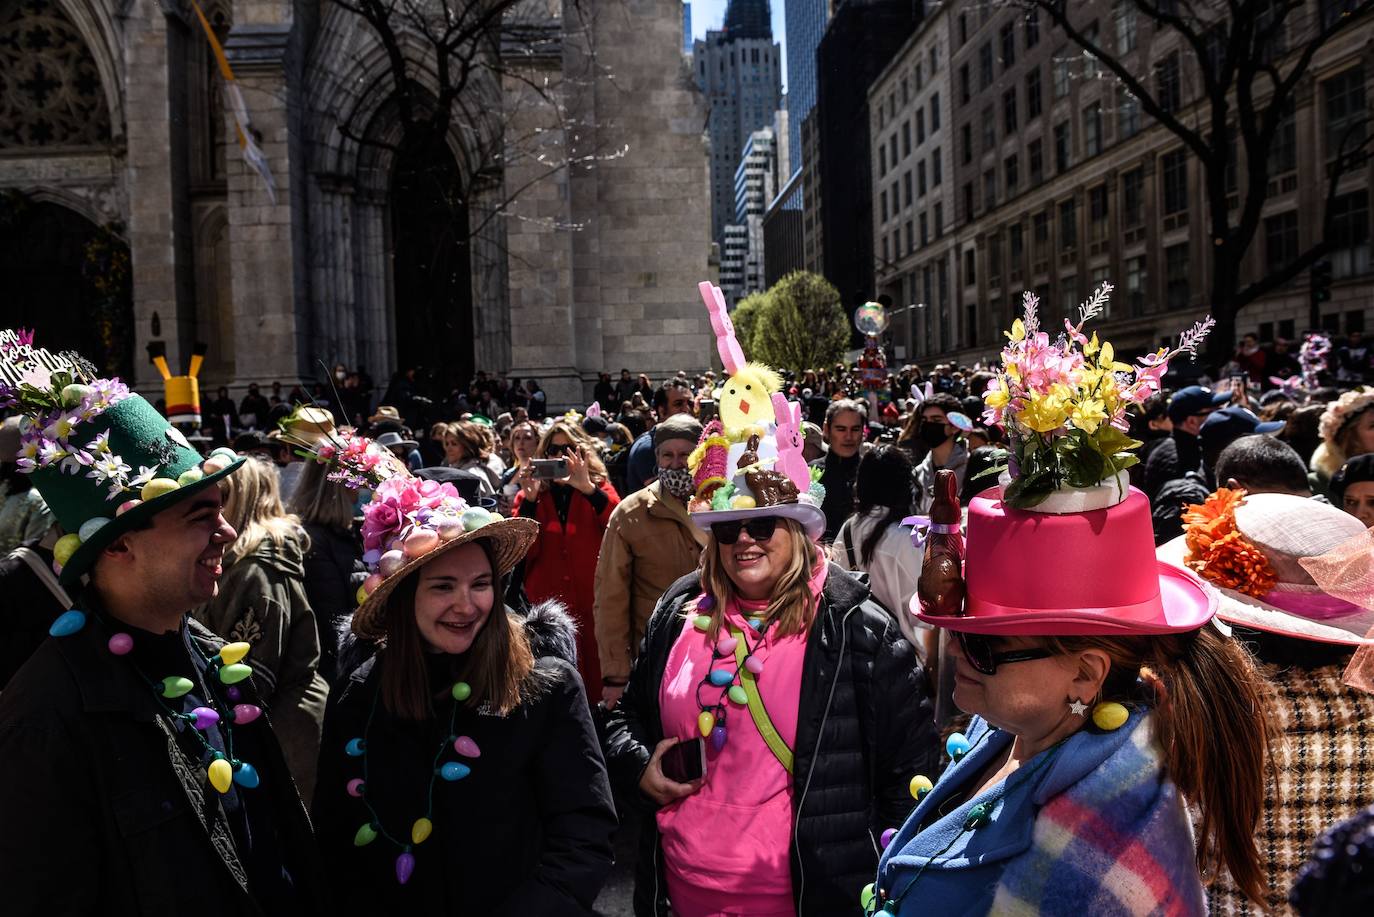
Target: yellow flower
996, 398
1091, 347
1044, 413
1108, 360
1017, 332
1088, 415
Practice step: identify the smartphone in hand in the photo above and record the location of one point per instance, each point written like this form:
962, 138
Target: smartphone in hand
685, 761
549, 469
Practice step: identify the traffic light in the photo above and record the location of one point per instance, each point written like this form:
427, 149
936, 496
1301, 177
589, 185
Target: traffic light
1321, 282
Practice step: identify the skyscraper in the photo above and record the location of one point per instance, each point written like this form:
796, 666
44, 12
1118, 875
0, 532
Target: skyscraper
806, 21
739, 70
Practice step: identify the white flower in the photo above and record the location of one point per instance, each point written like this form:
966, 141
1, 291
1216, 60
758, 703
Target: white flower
49, 452
62, 425
101, 443
108, 468
145, 474
29, 450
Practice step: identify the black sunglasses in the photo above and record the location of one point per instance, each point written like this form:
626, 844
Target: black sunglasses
759, 529
559, 449
978, 651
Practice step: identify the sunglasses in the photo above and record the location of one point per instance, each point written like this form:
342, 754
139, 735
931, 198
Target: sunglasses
559, 449
980, 654
759, 529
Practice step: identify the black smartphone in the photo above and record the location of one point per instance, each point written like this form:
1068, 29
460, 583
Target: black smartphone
549, 469
685, 761
706, 411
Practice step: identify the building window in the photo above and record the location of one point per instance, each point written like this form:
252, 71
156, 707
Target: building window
910, 239
1126, 22
934, 112
985, 66
1009, 111
1168, 91
892, 149
906, 186
939, 219
989, 129
1091, 68
1132, 198
882, 159
1061, 73
970, 267
990, 189
968, 200
920, 179
1061, 147
886, 251
963, 28
968, 143
1127, 114
1068, 225
994, 259
1035, 153
920, 126
1068, 294
1040, 235
1283, 152
906, 138
1174, 169
1032, 28
1281, 239
1176, 293
1015, 247
882, 196
1135, 284
1092, 129
964, 92
1350, 234
934, 59
1008, 45
1010, 173
1097, 212
935, 168
1345, 111
925, 233
1033, 92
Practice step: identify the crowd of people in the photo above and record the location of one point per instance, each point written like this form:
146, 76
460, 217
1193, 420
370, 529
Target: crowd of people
474, 637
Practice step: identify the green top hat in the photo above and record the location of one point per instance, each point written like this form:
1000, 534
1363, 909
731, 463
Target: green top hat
103, 458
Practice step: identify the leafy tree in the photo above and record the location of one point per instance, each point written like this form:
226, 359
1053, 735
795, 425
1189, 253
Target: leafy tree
802, 325
745, 317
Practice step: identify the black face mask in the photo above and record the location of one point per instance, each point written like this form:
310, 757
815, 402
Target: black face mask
931, 433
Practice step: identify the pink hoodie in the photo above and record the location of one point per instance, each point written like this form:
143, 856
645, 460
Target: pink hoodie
726, 847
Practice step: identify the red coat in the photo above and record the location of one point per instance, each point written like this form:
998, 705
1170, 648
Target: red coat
561, 565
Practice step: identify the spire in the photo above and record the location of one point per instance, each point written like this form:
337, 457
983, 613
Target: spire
748, 19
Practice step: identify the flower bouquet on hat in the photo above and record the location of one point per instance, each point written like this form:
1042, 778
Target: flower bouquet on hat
1064, 404
103, 458
408, 522
749, 461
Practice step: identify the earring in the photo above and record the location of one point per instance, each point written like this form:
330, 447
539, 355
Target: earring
1077, 707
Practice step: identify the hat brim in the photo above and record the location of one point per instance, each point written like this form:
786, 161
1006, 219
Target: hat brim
1246, 610
511, 539
84, 557
809, 515
1186, 601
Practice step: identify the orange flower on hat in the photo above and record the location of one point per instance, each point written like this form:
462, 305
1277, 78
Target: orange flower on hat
1218, 551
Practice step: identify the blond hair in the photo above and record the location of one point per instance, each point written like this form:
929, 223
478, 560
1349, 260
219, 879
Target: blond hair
320, 501
792, 605
252, 505
596, 469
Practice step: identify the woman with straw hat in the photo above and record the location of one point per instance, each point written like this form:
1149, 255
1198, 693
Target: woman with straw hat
460, 772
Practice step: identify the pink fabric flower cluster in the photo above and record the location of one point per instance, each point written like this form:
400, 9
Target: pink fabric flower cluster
356, 461
401, 505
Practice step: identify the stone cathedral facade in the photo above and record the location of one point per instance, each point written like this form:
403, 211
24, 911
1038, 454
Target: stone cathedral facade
127, 213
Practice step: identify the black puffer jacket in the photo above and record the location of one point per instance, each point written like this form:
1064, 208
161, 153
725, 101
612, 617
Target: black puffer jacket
864, 728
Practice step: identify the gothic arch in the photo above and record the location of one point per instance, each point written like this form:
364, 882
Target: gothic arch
95, 20
86, 206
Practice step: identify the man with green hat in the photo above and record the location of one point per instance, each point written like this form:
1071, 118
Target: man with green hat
138, 774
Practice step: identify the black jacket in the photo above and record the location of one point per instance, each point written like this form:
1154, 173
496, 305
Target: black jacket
1170, 460
333, 573
864, 729
527, 832
107, 808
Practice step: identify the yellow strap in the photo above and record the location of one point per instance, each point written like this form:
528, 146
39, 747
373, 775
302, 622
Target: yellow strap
765, 726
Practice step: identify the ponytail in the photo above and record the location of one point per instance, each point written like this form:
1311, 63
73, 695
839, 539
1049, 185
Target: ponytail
1211, 715
1215, 727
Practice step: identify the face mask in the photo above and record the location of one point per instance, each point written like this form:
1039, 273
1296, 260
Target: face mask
677, 481
931, 433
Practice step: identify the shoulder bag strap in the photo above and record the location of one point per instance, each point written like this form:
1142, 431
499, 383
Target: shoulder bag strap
762, 722
42, 571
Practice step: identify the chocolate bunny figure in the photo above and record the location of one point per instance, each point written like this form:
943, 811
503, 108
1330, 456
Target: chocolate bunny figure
770, 488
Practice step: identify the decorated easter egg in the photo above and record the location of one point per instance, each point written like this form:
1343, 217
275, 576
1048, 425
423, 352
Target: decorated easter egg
1110, 715
158, 487
65, 547
420, 542
90, 527
127, 505
391, 562
190, 476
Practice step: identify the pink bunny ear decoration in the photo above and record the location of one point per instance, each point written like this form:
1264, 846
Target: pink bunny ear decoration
730, 353
594, 410
791, 461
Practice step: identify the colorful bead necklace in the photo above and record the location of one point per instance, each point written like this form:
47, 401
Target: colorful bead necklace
711, 721
450, 771
224, 769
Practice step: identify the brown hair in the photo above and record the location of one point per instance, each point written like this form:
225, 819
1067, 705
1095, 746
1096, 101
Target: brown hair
1345, 436
474, 437
498, 667
320, 501
1211, 716
792, 605
577, 436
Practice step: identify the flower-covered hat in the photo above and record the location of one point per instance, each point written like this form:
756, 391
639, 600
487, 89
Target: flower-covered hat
749, 461
1338, 413
1282, 563
103, 458
408, 521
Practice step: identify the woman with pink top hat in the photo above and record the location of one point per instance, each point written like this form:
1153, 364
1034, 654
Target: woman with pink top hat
1102, 699
775, 714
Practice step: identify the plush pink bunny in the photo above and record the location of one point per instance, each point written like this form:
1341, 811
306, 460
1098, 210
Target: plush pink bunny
791, 462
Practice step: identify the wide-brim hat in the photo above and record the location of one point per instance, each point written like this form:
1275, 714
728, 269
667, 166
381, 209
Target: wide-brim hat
1294, 534
93, 512
510, 539
1031, 573
722, 463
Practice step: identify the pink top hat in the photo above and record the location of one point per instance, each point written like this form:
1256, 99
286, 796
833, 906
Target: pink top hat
1088, 573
